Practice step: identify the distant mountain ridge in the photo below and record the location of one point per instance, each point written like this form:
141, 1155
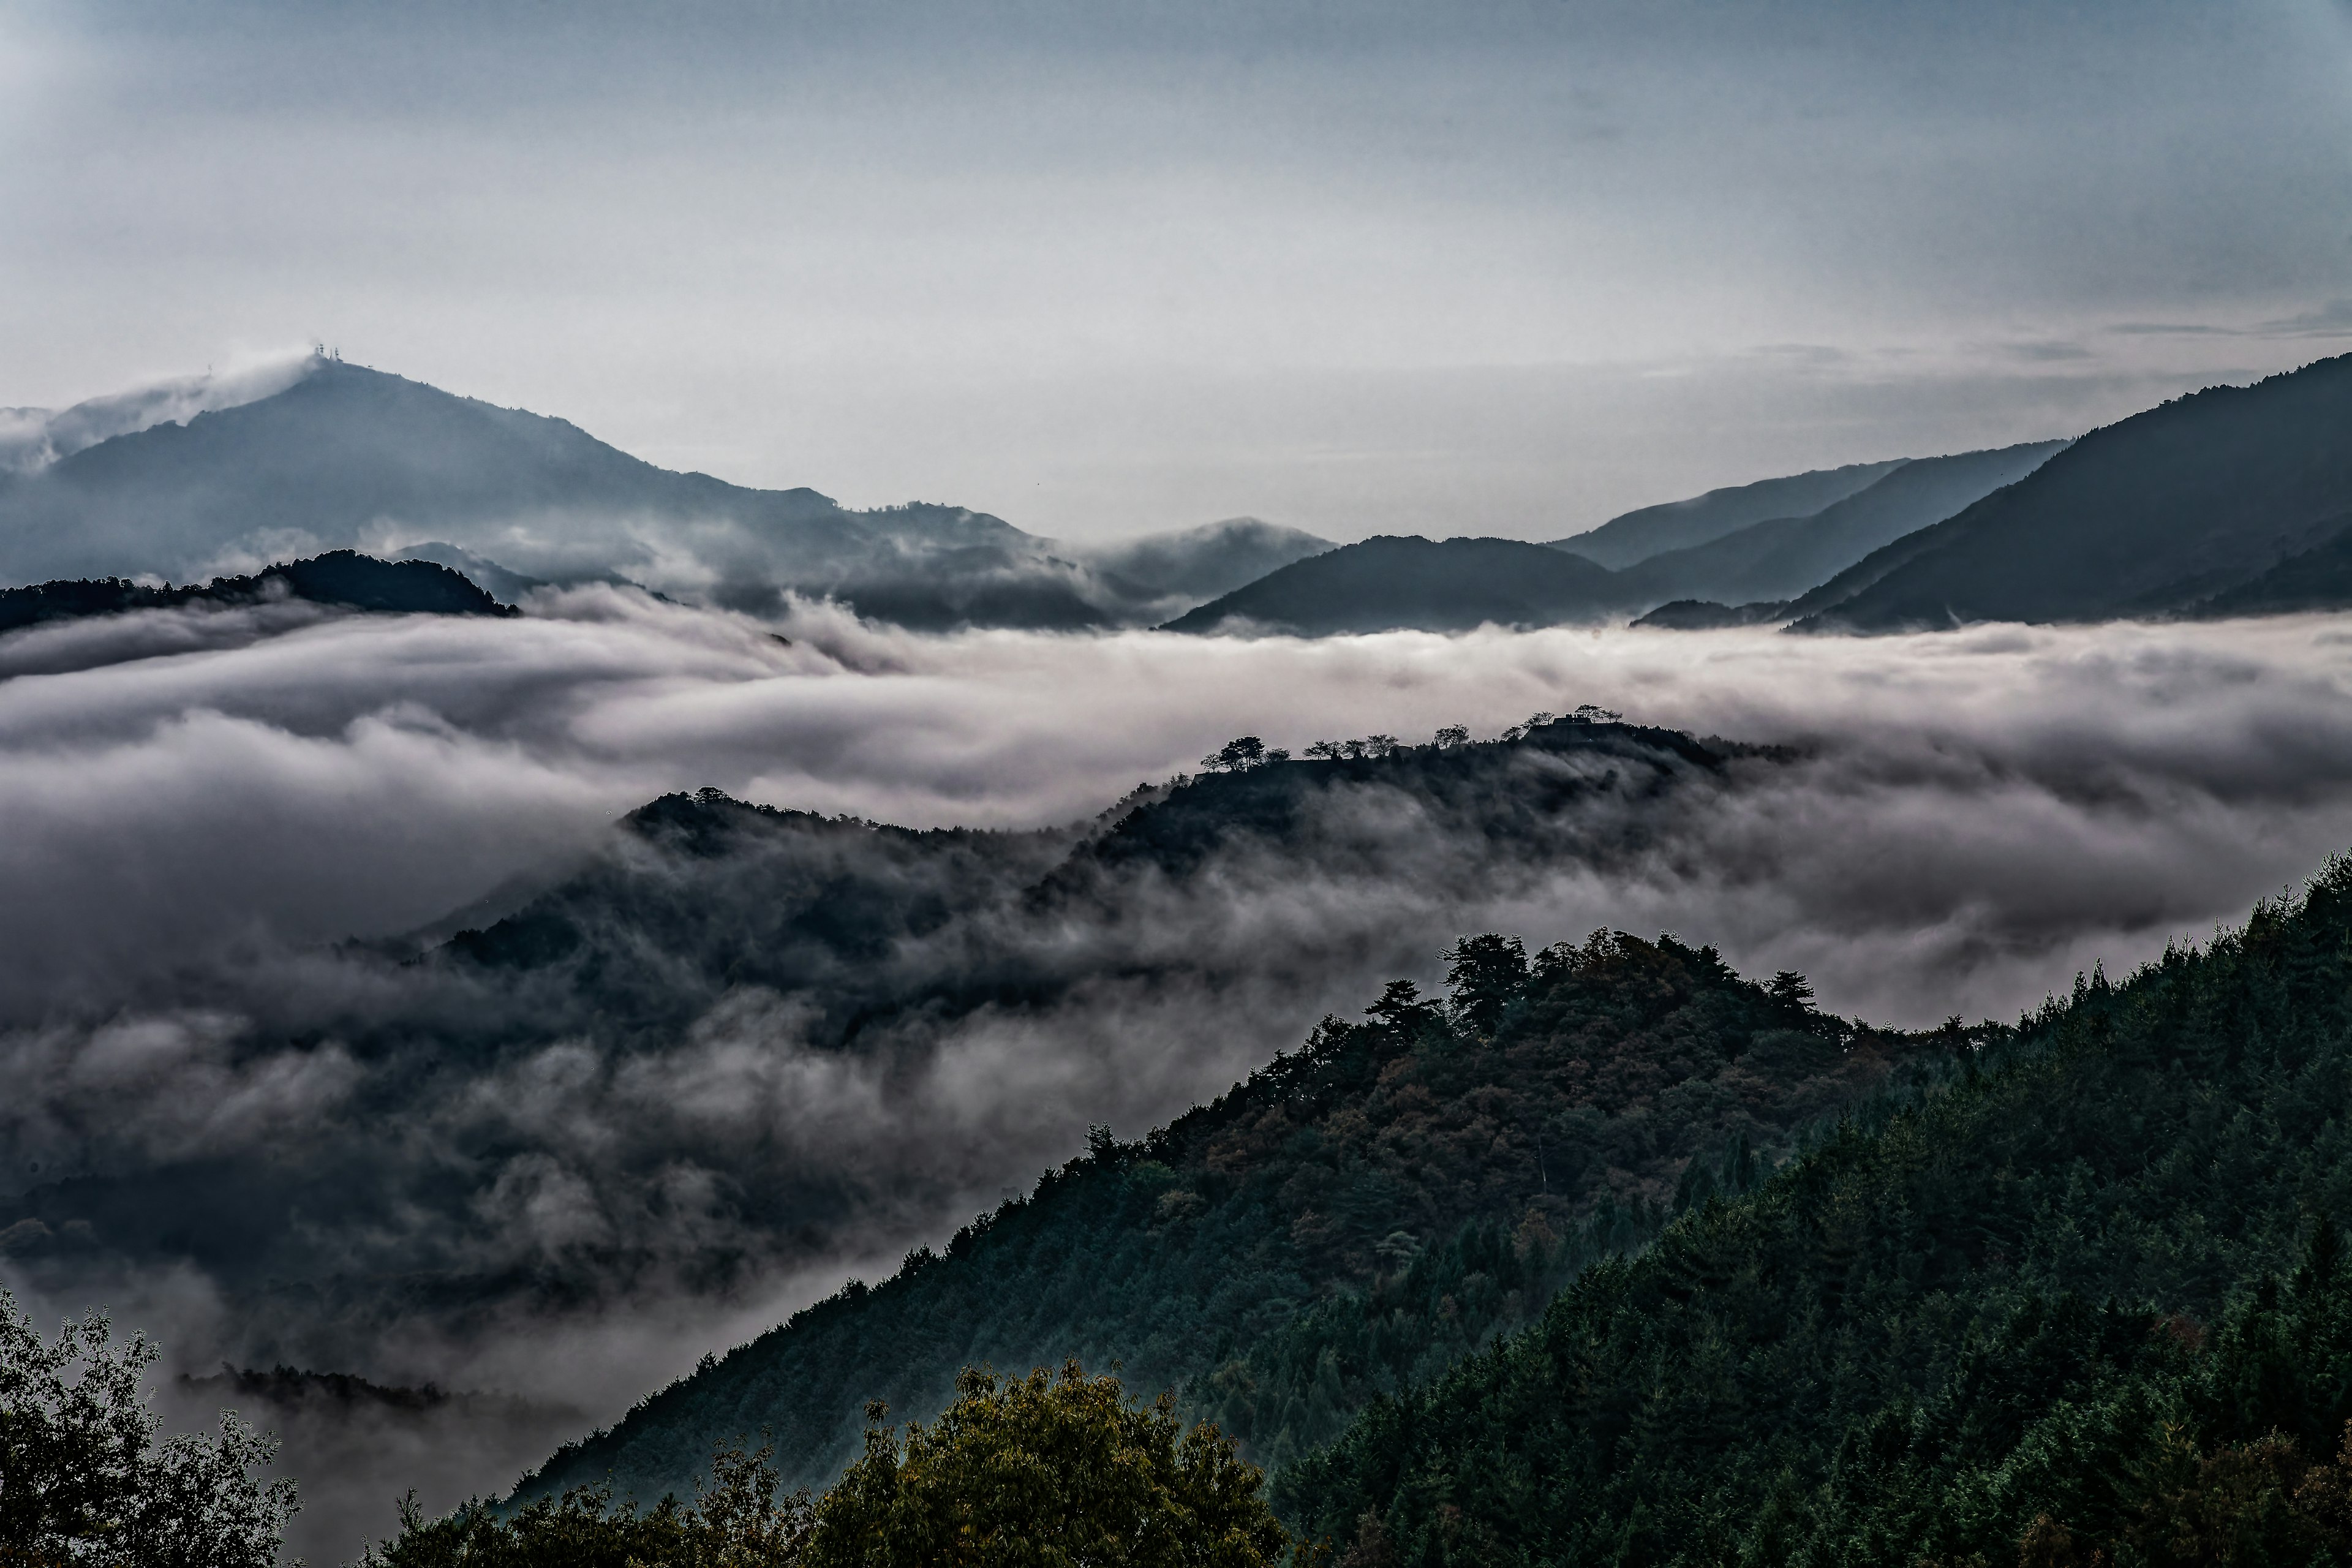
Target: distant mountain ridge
33, 438
1388, 584
2179, 510
2233, 500
2157, 514
1781, 557
1681, 524
348, 457
1204, 561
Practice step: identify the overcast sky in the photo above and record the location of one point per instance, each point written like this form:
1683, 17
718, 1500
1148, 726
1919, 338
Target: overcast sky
1463, 267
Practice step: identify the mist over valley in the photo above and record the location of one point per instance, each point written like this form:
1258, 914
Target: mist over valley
799, 786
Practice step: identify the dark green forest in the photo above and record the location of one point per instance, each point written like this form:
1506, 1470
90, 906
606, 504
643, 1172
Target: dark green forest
1612, 1257
2085, 1301
1351, 1220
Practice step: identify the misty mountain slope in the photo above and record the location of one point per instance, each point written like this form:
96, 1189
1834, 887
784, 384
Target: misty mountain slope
2062, 1283
349, 457
2149, 516
33, 438
1678, 525
341, 578
1780, 559
1198, 563
745, 1041
1362, 1212
863, 923
1709, 614
702, 894
507, 587
1387, 584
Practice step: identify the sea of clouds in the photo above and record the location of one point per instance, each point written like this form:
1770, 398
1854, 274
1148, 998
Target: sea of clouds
1977, 813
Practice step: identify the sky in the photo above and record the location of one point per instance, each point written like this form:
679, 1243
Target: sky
1487, 267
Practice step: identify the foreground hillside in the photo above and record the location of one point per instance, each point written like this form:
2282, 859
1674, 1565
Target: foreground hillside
1361, 1213
2087, 1301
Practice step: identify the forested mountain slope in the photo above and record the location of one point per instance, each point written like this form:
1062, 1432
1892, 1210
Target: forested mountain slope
341, 577
2155, 515
1361, 1213
2086, 1300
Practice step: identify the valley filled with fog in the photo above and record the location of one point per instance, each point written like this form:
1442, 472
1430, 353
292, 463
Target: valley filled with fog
232, 828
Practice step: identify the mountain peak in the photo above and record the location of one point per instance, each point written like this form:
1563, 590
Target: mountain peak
32, 440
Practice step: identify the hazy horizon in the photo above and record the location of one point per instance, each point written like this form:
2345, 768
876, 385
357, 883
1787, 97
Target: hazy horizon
1509, 271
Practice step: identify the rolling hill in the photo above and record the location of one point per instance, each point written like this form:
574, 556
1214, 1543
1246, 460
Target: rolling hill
1197, 564
2078, 1285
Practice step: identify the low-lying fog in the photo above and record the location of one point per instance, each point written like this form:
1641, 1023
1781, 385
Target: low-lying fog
199, 803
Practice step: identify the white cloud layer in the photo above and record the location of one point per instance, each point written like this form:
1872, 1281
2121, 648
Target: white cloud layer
2016, 802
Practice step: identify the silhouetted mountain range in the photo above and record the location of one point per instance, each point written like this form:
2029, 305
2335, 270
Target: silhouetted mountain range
1202, 562
2235, 500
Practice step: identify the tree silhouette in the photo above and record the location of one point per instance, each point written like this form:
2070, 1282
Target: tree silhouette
83, 1479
